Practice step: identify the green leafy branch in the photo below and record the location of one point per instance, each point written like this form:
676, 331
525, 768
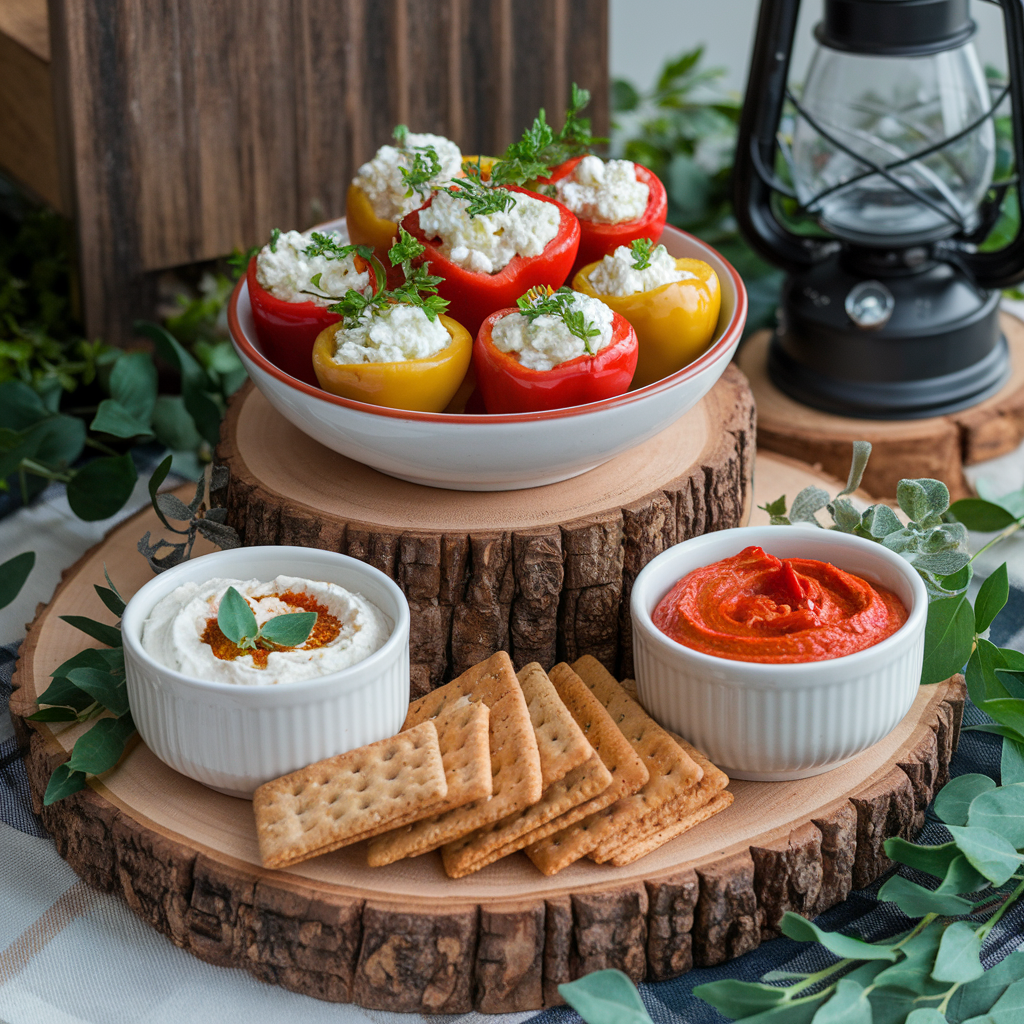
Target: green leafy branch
481, 198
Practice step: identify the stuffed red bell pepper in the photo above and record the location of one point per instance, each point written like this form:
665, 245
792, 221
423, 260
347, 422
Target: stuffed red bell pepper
291, 281
616, 202
555, 349
491, 244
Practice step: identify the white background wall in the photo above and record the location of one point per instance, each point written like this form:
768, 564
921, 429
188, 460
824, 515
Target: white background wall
644, 33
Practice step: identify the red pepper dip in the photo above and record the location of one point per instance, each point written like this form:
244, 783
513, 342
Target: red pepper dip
756, 607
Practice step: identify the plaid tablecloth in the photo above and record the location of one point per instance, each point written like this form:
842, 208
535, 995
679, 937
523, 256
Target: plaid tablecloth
71, 955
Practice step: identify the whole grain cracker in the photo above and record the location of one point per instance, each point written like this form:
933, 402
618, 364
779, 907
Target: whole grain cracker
514, 760
688, 803
564, 751
339, 800
649, 843
672, 772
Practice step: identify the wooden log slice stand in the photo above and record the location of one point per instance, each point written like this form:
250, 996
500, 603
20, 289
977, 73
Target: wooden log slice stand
543, 573
407, 938
937, 447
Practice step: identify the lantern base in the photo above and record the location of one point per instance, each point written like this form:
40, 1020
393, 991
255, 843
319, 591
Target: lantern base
940, 351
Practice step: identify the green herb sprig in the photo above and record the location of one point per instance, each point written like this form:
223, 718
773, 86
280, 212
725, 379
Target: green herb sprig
540, 148
545, 302
275, 235
481, 198
642, 250
400, 134
330, 248
238, 623
425, 168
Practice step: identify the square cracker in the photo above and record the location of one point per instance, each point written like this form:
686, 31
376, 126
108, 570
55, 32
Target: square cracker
688, 803
339, 800
514, 760
570, 771
672, 773
646, 844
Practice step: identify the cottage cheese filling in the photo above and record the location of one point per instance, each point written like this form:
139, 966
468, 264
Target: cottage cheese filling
616, 275
286, 272
606, 193
546, 342
488, 242
173, 632
381, 177
392, 335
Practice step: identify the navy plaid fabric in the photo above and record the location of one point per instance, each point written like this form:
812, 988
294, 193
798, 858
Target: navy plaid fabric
672, 1002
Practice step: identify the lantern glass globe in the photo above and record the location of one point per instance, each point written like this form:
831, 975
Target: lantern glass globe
886, 109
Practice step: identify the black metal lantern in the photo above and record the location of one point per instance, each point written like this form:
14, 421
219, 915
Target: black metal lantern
892, 315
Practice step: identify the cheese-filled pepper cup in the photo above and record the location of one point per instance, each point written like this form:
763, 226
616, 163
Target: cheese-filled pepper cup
674, 322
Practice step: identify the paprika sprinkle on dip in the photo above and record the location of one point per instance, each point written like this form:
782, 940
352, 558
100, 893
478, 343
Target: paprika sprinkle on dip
756, 607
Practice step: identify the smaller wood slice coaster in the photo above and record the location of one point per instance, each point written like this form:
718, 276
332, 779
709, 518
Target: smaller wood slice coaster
543, 573
406, 937
938, 447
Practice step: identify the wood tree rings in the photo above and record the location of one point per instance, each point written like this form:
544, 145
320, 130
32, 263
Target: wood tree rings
938, 447
544, 573
406, 938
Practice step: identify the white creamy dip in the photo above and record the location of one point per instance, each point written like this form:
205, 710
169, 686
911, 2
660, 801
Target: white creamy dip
392, 335
546, 342
606, 193
287, 272
172, 634
488, 242
616, 275
381, 177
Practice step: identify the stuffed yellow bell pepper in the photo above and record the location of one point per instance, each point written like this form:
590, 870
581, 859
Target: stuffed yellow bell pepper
395, 348
673, 304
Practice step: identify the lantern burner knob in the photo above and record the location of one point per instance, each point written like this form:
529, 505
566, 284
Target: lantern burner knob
869, 305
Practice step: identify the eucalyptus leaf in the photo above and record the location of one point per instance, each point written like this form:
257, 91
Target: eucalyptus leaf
1009, 1008
916, 901
922, 498
235, 617
879, 521
992, 596
980, 995
54, 714
101, 747
20, 406
108, 690
914, 971
109, 635
13, 574
796, 927
948, 638
605, 997
809, 501
981, 515
1002, 811
288, 630
959, 955
112, 418
1011, 766
858, 463
63, 782
133, 383
953, 801
934, 860
110, 598
926, 1015
59, 440
173, 425
740, 998
101, 487
988, 852
848, 1005
961, 877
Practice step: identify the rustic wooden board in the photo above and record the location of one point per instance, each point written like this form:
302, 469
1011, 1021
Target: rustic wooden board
405, 937
937, 447
544, 573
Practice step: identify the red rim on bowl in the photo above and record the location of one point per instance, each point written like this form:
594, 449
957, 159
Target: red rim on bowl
729, 338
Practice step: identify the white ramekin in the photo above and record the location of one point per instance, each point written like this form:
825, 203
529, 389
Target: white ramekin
779, 722
232, 737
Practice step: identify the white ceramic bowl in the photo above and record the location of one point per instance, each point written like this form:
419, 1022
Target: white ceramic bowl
232, 737
778, 722
497, 453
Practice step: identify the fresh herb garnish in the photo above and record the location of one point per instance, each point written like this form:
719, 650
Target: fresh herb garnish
275, 234
540, 148
642, 250
238, 623
425, 168
482, 198
418, 289
547, 302
401, 135
331, 249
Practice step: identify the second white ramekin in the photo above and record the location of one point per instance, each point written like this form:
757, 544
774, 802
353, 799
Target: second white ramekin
779, 722
234, 737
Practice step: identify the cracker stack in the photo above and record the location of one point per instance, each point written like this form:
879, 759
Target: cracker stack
562, 766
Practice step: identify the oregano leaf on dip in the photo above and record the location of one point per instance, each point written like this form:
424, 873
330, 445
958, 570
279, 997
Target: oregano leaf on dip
289, 630
236, 619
